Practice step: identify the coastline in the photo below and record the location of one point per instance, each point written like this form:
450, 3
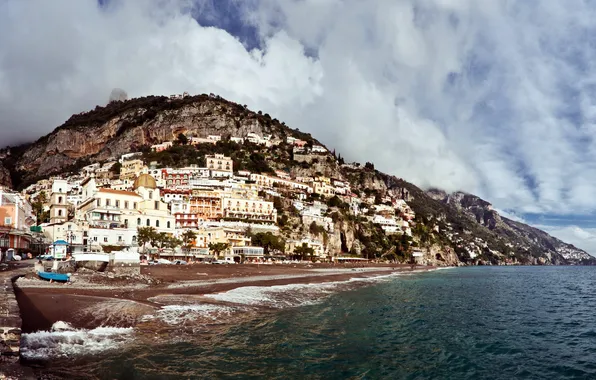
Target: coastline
89, 305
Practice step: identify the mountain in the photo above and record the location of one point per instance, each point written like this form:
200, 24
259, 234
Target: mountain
522, 236
450, 229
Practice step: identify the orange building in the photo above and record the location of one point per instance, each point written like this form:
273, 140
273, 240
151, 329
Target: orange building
16, 216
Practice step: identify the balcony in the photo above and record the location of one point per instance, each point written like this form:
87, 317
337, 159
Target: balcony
106, 224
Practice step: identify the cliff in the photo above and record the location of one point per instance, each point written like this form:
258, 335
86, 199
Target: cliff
107, 132
450, 229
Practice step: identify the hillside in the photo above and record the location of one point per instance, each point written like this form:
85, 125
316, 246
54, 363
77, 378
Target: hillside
450, 229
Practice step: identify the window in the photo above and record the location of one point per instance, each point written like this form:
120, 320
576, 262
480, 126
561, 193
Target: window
151, 195
117, 203
157, 223
148, 223
156, 204
98, 202
59, 212
7, 221
125, 204
105, 239
94, 238
107, 202
138, 221
168, 224
134, 205
60, 200
125, 222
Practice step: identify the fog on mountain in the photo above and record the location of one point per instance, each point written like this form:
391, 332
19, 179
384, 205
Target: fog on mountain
118, 94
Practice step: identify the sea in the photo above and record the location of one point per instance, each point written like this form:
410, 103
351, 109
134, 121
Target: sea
456, 323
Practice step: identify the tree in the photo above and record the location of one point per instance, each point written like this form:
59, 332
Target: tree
369, 165
218, 247
172, 242
159, 239
182, 139
38, 208
304, 251
315, 229
145, 235
269, 242
188, 237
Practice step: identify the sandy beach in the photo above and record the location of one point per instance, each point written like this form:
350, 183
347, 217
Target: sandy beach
102, 299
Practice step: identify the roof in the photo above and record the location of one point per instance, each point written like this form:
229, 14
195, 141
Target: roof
145, 180
60, 242
120, 192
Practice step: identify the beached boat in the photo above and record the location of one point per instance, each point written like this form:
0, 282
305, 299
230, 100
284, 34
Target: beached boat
54, 276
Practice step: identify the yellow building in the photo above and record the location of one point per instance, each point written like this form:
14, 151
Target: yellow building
132, 169
219, 162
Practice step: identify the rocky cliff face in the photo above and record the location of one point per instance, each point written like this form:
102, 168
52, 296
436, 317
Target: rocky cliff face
120, 127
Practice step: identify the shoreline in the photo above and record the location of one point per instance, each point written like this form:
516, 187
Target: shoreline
87, 305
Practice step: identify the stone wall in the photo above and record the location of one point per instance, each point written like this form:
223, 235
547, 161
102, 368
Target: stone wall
10, 321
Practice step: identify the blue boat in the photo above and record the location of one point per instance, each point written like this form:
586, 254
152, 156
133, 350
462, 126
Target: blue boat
54, 276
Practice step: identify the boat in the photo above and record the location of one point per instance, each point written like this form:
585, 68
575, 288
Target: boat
54, 276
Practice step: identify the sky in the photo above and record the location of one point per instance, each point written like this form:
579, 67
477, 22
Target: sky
495, 98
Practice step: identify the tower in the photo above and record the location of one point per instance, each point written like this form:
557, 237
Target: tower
58, 205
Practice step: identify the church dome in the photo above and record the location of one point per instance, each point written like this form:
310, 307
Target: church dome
146, 181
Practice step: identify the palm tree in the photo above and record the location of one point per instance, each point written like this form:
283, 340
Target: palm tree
188, 237
145, 235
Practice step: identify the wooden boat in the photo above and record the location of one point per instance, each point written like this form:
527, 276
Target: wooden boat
54, 276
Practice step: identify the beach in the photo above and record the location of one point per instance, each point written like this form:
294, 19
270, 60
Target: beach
103, 299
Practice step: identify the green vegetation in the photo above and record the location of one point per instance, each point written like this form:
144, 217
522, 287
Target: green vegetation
270, 242
218, 248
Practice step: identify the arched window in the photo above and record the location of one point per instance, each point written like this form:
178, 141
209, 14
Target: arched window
138, 221
59, 212
157, 223
60, 200
168, 224
148, 223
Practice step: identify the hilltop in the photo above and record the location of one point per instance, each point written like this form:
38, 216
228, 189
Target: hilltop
375, 215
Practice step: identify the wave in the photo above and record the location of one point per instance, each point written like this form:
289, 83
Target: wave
64, 341
292, 295
181, 314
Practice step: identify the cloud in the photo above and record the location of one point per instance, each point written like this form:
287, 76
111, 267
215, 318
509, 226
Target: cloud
495, 98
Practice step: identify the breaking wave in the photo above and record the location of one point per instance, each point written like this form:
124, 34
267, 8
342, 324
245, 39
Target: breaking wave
291, 295
64, 341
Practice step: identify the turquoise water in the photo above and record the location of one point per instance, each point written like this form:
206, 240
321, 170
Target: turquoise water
465, 323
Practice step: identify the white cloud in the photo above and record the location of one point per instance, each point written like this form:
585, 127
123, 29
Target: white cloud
495, 98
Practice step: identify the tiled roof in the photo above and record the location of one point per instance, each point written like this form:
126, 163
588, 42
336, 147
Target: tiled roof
121, 192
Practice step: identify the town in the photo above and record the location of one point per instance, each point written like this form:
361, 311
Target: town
190, 214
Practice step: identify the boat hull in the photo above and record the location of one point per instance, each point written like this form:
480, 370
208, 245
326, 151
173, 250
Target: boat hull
54, 276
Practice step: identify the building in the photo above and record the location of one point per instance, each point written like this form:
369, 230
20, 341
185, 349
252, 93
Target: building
58, 201
219, 162
16, 218
318, 149
323, 188
161, 147
131, 169
317, 246
269, 182
113, 216
206, 204
236, 207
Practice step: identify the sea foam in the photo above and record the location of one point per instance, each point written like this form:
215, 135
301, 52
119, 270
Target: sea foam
65, 341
